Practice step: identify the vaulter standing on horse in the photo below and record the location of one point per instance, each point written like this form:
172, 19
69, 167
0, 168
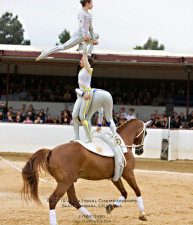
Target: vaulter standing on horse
81, 36
89, 101
83, 102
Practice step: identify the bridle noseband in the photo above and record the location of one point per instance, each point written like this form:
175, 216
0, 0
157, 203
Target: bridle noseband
139, 146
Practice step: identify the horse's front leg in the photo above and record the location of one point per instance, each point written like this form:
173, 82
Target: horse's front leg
130, 178
117, 203
74, 202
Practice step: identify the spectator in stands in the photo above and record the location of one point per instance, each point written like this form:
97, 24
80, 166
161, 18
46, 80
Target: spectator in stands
10, 110
122, 120
176, 123
30, 97
49, 119
1, 116
169, 99
119, 101
182, 118
31, 108
38, 120
39, 99
190, 124
153, 117
161, 120
124, 97
10, 119
65, 118
133, 98
160, 99
18, 119
174, 116
22, 113
138, 101
42, 116
17, 95
24, 108
115, 118
66, 109
67, 96
31, 116
123, 112
156, 112
11, 95
154, 102
27, 120
156, 123
130, 115
56, 120
3, 109
149, 98
23, 95
166, 123
190, 117
165, 114
145, 102
3, 95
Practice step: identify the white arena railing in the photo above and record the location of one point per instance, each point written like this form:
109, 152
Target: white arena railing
28, 138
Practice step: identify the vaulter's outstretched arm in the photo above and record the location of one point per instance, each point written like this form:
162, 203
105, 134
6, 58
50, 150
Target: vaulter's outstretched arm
86, 63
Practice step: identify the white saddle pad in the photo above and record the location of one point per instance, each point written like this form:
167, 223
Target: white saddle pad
100, 147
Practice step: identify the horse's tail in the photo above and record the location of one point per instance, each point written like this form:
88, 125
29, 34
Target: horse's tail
30, 174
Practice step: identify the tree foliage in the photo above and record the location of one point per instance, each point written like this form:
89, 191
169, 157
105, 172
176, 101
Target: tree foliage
150, 45
64, 36
11, 30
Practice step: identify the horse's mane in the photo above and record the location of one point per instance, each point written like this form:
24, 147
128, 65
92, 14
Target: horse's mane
125, 123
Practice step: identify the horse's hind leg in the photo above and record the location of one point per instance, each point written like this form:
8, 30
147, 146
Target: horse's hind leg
54, 198
130, 178
74, 202
117, 203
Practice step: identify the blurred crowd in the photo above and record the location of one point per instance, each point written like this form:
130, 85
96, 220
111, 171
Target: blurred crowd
124, 91
31, 115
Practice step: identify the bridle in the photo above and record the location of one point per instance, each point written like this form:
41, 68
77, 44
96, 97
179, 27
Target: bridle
139, 146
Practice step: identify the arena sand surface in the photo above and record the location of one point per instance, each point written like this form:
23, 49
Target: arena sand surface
168, 197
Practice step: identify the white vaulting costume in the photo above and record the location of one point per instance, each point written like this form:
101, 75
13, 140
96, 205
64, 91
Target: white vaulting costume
81, 106
101, 101
85, 27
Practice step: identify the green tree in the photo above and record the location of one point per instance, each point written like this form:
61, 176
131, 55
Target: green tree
150, 45
11, 30
64, 37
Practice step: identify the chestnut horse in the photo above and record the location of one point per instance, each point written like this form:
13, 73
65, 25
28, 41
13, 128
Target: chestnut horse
71, 161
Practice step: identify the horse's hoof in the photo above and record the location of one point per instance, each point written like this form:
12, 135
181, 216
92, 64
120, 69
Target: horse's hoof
109, 208
143, 217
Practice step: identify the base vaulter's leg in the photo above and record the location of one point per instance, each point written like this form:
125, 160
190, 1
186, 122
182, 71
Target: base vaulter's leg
82, 115
75, 119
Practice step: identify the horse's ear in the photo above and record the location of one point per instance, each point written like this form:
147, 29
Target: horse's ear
148, 123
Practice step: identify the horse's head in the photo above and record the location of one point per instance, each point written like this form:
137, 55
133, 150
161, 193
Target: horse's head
133, 133
139, 139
